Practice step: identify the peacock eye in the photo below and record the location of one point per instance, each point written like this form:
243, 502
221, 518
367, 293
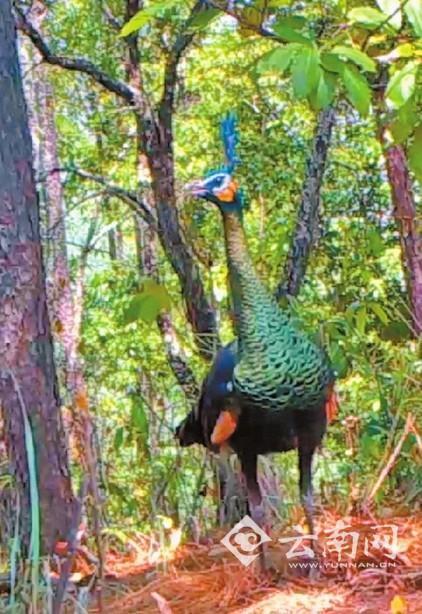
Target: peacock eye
220, 181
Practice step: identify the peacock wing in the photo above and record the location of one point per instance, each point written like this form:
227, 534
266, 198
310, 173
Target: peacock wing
283, 370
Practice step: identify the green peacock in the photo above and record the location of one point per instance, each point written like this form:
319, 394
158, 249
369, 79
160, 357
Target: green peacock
272, 389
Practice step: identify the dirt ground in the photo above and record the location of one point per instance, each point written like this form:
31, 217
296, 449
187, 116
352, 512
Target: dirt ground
385, 577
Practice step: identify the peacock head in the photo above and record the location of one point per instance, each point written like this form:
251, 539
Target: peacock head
219, 187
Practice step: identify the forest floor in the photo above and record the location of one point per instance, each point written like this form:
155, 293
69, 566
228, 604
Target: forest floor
385, 577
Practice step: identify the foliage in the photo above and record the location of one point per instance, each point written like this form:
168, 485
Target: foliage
354, 294
325, 57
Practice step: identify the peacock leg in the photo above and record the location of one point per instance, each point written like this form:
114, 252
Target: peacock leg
255, 502
305, 485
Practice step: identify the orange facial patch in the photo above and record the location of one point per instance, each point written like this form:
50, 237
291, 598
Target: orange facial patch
224, 427
228, 194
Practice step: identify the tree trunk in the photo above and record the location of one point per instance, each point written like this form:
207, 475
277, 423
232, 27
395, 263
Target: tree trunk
306, 231
115, 243
199, 311
28, 386
407, 222
149, 148
147, 266
65, 309
404, 209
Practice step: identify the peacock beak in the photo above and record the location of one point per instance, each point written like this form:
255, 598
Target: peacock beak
196, 188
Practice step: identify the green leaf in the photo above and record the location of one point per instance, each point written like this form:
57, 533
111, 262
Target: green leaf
147, 304
402, 84
357, 89
288, 34
376, 244
296, 22
413, 10
370, 446
339, 360
137, 21
144, 16
405, 50
324, 92
392, 9
277, 59
131, 313
356, 56
139, 418
306, 71
379, 312
396, 331
143, 307
149, 308
201, 20
154, 289
118, 438
415, 153
404, 122
366, 16
332, 62
361, 320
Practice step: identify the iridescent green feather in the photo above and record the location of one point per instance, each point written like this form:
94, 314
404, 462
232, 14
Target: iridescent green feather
279, 367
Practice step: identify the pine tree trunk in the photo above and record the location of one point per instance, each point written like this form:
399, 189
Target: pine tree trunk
410, 233
28, 384
64, 305
404, 209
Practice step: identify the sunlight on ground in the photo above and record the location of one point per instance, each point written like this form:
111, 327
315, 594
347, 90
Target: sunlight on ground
205, 578
294, 602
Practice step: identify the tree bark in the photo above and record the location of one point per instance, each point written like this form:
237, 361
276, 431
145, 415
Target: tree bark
28, 384
404, 211
115, 243
169, 230
306, 230
65, 314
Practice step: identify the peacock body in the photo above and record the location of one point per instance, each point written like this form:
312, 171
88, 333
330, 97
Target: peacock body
272, 389
278, 366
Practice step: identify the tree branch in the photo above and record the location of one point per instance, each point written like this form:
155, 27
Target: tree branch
79, 64
183, 40
110, 18
134, 74
136, 203
146, 247
155, 139
305, 234
257, 28
306, 231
